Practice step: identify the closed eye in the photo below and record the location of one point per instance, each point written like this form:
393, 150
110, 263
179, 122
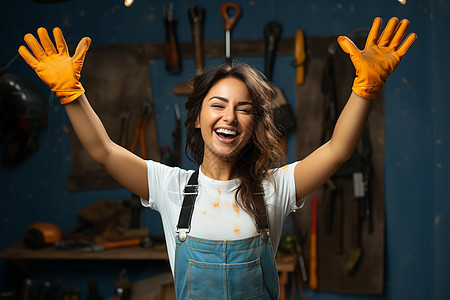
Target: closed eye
245, 107
245, 110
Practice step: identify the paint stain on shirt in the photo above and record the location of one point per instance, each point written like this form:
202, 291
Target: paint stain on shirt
237, 231
217, 202
236, 209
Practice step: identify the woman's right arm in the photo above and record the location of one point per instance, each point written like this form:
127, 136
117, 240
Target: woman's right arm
61, 73
124, 166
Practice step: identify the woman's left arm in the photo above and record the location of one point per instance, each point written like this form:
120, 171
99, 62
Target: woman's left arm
373, 65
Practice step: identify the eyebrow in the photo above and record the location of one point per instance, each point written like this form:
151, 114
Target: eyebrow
226, 100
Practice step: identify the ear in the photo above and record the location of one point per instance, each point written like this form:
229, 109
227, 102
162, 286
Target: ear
197, 122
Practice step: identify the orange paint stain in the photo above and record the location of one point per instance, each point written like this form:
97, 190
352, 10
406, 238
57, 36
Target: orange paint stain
204, 212
236, 209
237, 231
216, 204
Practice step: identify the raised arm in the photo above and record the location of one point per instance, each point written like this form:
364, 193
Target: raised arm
380, 57
62, 73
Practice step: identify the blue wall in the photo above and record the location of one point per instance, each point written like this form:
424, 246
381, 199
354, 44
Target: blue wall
417, 128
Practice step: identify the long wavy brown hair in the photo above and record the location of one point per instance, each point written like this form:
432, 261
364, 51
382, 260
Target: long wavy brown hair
261, 153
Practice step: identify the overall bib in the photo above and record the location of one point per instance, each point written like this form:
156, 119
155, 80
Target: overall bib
216, 269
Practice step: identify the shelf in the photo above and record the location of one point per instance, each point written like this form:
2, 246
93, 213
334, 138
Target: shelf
17, 251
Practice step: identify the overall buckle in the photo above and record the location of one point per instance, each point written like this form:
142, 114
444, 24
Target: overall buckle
182, 234
264, 234
190, 190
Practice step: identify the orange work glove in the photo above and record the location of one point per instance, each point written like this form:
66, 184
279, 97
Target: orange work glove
380, 56
54, 66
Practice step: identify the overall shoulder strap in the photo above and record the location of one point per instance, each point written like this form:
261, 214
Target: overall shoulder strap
262, 226
190, 194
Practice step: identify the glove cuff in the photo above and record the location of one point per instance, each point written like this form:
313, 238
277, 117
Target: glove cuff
366, 91
68, 96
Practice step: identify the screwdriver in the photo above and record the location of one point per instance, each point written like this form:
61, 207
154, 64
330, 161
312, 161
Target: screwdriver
171, 47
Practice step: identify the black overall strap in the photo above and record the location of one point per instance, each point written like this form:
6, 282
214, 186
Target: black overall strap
190, 194
262, 228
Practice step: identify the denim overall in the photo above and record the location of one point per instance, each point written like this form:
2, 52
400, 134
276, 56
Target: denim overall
215, 269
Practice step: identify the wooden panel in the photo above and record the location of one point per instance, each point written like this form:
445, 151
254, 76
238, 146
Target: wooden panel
334, 250
116, 78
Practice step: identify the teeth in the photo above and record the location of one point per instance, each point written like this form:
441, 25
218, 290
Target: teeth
226, 131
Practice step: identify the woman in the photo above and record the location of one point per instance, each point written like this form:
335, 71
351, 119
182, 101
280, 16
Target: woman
241, 194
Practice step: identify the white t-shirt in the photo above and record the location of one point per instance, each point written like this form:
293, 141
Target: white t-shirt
216, 215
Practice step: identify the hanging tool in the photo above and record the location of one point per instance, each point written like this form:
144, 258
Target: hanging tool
313, 278
272, 34
167, 155
196, 17
123, 286
141, 126
43, 290
26, 290
330, 210
172, 55
111, 245
355, 251
301, 261
334, 215
359, 195
300, 57
329, 89
229, 24
299, 236
367, 156
124, 123
331, 191
282, 114
176, 138
362, 200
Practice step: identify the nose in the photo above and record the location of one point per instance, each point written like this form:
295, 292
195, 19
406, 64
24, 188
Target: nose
229, 115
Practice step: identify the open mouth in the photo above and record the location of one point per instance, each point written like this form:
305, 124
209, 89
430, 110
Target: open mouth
226, 133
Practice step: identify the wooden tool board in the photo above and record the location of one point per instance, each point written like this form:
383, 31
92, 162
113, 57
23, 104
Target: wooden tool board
332, 275
116, 78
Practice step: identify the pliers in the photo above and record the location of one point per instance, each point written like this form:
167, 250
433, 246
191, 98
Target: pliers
141, 125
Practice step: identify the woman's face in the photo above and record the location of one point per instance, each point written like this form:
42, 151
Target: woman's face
226, 119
